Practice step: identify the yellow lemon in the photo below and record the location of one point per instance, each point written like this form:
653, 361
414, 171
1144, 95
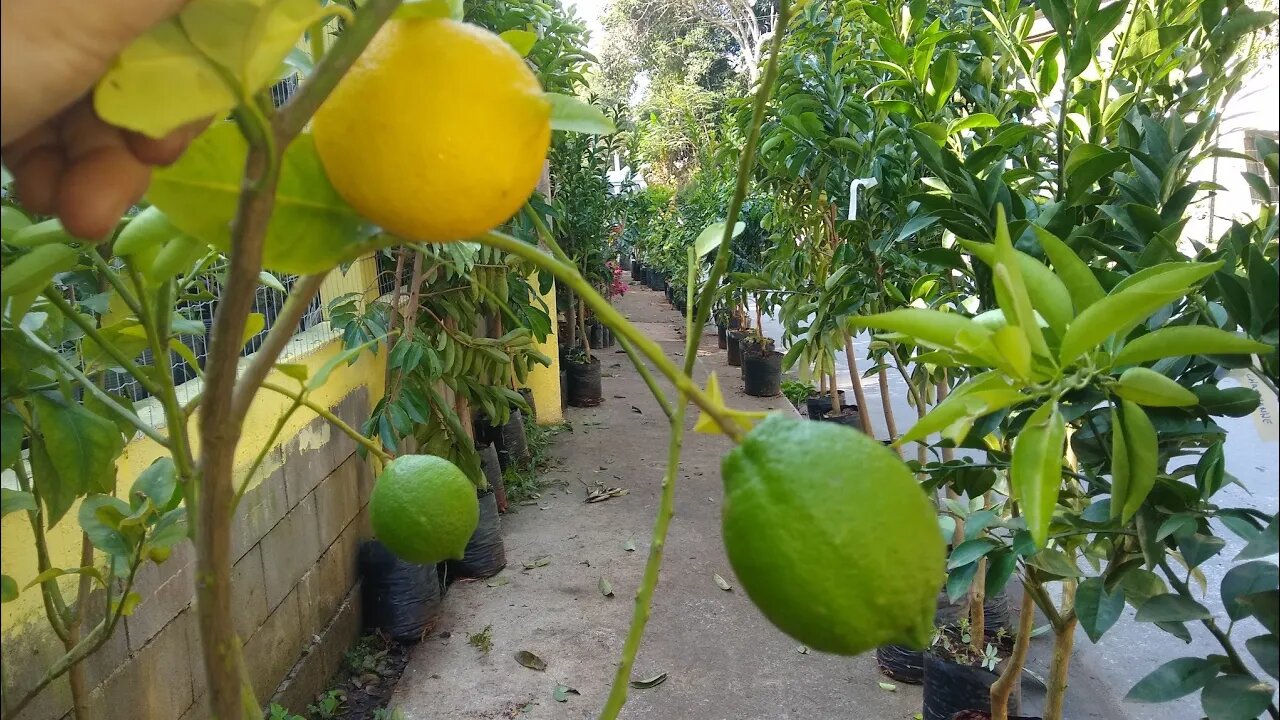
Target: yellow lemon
438, 132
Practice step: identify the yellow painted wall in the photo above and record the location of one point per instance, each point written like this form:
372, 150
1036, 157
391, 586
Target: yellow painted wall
17, 557
545, 381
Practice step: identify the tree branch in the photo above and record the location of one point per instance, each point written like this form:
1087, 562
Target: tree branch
278, 337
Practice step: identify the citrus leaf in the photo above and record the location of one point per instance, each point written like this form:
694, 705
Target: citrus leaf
1177, 678
15, 501
1035, 474
1264, 543
1011, 290
82, 446
1235, 697
1171, 607
531, 661
1266, 650
297, 371
160, 82
606, 587
1148, 387
653, 681
522, 41
1133, 459
1097, 608
1119, 312
1187, 340
575, 115
311, 230
1049, 295
1246, 579
722, 583
629, 545
1075, 274
11, 431
34, 270
562, 693
712, 237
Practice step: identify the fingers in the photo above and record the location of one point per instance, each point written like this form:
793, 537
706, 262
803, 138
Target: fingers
167, 149
36, 163
102, 177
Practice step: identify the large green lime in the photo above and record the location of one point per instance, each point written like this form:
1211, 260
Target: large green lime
424, 509
831, 536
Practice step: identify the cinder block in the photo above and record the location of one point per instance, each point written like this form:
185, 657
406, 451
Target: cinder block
343, 632
29, 649
249, 593
114, 652
324, 658
337, 500
364, 480
259, 510
290, 549
166, 589
274, 648
156, 682
306, 460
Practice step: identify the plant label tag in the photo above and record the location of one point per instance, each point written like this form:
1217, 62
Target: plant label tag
1265, 418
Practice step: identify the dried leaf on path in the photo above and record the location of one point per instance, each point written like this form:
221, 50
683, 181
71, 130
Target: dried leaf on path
647, 683
562, 693
722, 583
531, 661
606, 587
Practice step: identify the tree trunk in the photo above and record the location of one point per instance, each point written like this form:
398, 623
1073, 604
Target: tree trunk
582, 328
570, 320
1009, 679
891, 427
1063, 643
859, 395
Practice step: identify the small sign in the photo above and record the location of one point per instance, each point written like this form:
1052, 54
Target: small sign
1265, 418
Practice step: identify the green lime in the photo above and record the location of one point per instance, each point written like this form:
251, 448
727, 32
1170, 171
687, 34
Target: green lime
424, 509
831, 536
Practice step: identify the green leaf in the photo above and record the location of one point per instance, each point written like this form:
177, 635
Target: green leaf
970, 551
322, 375
712, 237
47, 232
1119, 312
1177, 678
297, 371
157, 483
943, 74
11, 221
1265, 607
11, 432
1266, 650
34, 270
8, 589
974, 121
572, 114
106, 536
126, 605
1232, 402
452, 9
915, 225
1187, 340
1097, 608
1263, 544
1049, 295
311, 229
1246, 579
1235, 697
1075, 274
522, 41
1171, 607
1133, 460
1210, 472
1011, 291
82, 446
253, 325
932, 327
145, 234
1035, 474
1152, 389
15, 501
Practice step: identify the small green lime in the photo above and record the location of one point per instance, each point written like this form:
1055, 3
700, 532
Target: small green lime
424, 509
831, 536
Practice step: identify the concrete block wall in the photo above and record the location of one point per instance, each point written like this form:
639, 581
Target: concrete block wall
296, 599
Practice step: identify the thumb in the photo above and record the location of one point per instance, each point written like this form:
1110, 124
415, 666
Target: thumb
53, 51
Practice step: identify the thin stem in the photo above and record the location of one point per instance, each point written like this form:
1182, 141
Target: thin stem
91, 332
55, 606
334, 420
157, 329
652, 568
266, 448
112, 277
1064, 639
855, 379
282, 330
648, 377
614, 319
92, 388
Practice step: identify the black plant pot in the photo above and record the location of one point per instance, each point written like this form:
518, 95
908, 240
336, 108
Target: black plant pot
950, 688
400, 598
657, 281
906, 665
848, 416
527, 394
625, 263
733, 346
762, 373
485, 555
722, 335
817, 406
492, 468
608, 341
513, 446
595, 335
637, 271
997, 615
584, 383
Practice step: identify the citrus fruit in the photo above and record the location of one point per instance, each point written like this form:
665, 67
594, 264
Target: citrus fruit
424, 509
438, 132
831, 536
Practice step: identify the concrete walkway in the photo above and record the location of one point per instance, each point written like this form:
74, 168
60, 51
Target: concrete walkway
723, 659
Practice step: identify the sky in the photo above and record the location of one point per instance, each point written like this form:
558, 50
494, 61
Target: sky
590, 11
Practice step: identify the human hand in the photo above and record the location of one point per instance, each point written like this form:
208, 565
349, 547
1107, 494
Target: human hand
65, 160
